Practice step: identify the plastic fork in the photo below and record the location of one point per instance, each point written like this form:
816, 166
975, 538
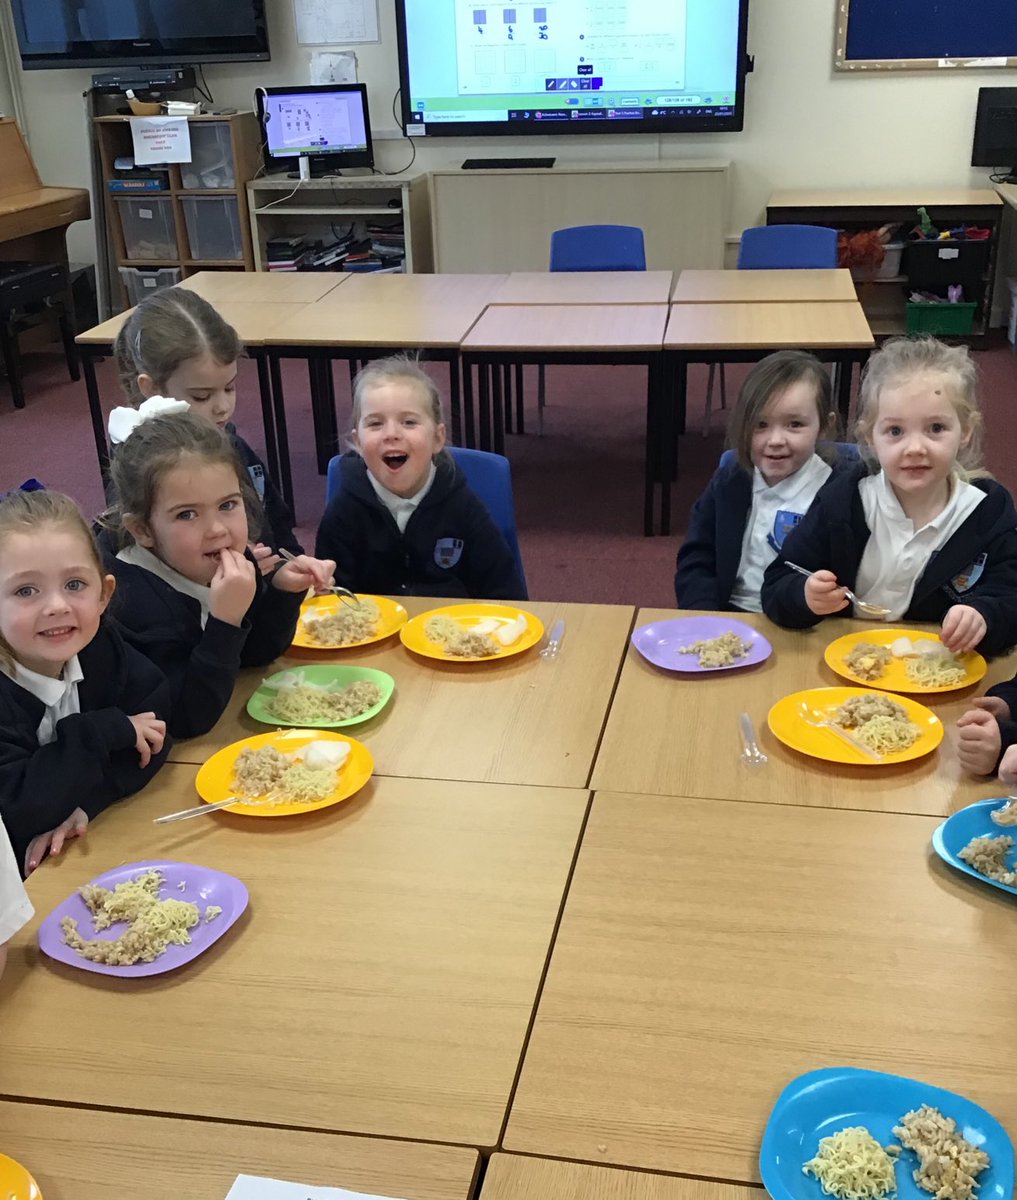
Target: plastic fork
345, 595
751, 754
870, 610
820, 720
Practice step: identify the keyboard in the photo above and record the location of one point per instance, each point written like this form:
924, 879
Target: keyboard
505, 164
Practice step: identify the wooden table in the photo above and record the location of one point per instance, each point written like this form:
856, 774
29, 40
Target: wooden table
835, 331
546, 334
710, 953
503, 723
254, 321
372, 317
585, 287
85, 1154
672, 734
727, 287
512, 1177
274, 287
382, 980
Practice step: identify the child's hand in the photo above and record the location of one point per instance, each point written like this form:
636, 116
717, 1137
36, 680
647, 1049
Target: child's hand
978, 741
823, 594
303, 572
233, 587
150, 733
53, 842
1008, 767
264, 556
993, 704
963, 628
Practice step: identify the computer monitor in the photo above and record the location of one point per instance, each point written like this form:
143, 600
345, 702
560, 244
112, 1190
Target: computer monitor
328, 124
995, 143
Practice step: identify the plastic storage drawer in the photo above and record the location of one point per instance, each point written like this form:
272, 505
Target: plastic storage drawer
211, 164
140, 284
929, 317
937, 264
149, 229
213, 227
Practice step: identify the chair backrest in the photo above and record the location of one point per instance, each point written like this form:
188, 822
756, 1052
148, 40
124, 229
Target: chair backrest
846, 450
598, 248
771, 247
490, 477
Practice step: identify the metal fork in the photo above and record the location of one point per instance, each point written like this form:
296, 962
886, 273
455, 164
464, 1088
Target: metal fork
345, 595
1006, 814
819, 720
870, 610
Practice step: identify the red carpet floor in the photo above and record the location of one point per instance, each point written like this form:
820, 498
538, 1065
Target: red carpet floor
578, 488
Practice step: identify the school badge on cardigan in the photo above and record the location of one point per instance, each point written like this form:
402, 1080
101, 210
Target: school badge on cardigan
967, 579
448, 551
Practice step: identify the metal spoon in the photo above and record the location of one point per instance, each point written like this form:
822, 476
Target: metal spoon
870, 610
1007, 813
345, 595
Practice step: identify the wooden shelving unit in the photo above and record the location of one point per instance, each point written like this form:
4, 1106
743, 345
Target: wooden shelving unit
223, 148
320, 208
884, 300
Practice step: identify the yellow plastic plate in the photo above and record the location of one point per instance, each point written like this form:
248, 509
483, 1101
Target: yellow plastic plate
414, 638
215, 778
788, 725
895, 678
15, 1181
393, 617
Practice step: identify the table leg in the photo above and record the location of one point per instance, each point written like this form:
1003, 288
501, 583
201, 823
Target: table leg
282, 436
469, 425
267, 417
331, 419
455, 399
497, 409
520, 408
657, 380
507, 424
650, 469
484, 402
95, 412
319, 417
845, 374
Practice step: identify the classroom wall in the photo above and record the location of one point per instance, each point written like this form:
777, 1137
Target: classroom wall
805, 127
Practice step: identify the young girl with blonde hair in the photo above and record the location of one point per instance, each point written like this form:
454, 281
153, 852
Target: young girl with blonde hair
405, 520
82, 714
190, 596
928, 535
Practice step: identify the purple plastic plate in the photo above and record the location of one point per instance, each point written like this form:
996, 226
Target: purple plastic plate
658, 643
203, 887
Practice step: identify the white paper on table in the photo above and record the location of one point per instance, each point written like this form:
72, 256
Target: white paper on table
332, 22
255, 1187
160, 140
333, 66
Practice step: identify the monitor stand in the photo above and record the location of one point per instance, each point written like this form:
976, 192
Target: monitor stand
312, 168
505, 164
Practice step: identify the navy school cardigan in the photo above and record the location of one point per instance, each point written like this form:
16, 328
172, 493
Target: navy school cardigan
92, 762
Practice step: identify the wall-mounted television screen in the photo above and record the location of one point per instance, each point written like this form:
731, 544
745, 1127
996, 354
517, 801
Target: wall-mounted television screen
114, 33
471, 67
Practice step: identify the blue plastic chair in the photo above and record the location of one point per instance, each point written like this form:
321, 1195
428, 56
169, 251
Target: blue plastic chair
788, 247
490, 477
776, 247
592, 248
598, 248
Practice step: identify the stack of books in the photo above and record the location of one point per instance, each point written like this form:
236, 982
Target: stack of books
288, 254
388, 243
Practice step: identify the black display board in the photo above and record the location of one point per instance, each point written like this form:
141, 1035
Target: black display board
902, 34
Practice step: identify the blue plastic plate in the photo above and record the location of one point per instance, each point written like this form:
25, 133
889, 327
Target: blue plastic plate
815, 1105
974, 821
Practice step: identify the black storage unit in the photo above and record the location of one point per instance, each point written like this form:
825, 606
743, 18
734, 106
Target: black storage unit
936, 265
